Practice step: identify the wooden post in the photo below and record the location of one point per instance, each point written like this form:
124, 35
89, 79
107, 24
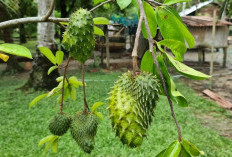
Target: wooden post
212, 48
200, 56
224, 56
107, 47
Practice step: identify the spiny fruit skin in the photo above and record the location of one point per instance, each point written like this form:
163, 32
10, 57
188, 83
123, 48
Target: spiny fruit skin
59, 124
83, 130
79, 37
131, 106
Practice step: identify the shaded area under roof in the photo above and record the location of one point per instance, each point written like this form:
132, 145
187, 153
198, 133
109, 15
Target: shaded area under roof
202, 21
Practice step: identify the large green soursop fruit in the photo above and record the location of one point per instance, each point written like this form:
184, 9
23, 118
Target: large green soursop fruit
59, 124
131, 106
79, 37
84, 129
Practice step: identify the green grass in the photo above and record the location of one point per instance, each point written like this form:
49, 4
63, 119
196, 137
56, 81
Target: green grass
21, 128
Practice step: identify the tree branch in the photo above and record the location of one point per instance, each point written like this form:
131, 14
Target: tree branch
49, 13
31, 20
136, 44
155, 2
150, 39
99, 5
45, 18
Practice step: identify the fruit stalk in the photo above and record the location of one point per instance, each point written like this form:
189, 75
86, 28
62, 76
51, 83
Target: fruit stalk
84, 94
64, 78
135, 49
150, 39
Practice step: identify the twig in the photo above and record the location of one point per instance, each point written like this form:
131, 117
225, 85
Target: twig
150, 39
99, 5
136, 44
64, 78
49, 13
155, 2
84, 94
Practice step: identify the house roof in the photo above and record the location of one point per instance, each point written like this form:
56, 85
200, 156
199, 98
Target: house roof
202, 21
194, 8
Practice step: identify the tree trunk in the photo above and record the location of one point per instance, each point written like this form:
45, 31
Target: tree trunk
45, 38
22, 34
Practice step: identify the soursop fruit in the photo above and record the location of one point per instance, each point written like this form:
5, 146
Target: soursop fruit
79, 37
131, 106
83, 130
59, 124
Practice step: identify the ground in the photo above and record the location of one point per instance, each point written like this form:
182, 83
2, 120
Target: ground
22, 128
204, 123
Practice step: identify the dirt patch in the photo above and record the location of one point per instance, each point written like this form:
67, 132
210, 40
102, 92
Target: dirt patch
221, 81
222, 126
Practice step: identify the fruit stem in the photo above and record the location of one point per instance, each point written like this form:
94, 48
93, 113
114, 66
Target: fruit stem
136, 44
64, 78
150, 39
84, 95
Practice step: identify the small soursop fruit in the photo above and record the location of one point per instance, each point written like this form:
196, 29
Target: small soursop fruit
131, 106
79, 37
59, 124
83, 130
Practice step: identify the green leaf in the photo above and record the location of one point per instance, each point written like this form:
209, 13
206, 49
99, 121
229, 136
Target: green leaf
98, 114
96, 105
48, 53
161, 153
46, 139
123, 3
178, 48
135, 4
170, 2
64, 23
175, 95
191, 149
54, 91
4, 57
97, 1
15, 49
73, 93
171, 27
184, 153
59, 79
185, 70
147, 62
67, 93
74, 82
49, 142
52, 69
59, 57
38, 98
151, 19
173, 150
101, 21
55, 146
98, 31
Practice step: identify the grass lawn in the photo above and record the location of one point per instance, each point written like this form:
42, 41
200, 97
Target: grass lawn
22, 128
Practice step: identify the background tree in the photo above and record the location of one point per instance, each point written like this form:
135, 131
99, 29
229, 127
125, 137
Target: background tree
45, 38
9, 9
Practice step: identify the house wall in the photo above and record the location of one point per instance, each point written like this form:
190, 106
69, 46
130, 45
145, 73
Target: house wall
203, 36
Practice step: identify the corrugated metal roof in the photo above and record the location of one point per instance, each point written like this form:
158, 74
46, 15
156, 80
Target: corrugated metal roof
202, 21
194, 8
